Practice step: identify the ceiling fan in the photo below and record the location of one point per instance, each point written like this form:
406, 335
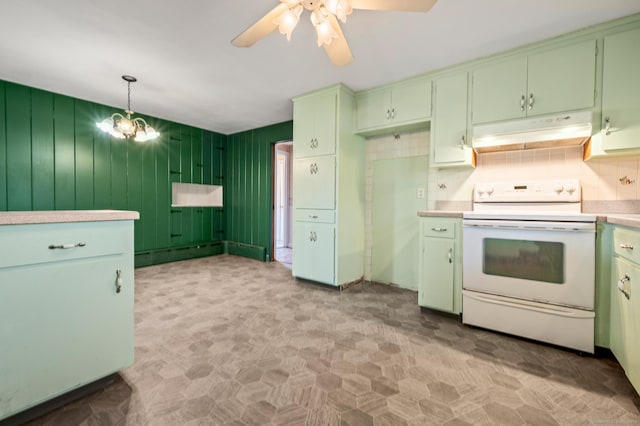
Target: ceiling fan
324, 17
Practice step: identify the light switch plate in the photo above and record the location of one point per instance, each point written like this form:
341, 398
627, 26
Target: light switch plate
420, 193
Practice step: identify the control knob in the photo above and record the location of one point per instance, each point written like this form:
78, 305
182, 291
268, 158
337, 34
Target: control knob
571, 189
558, 189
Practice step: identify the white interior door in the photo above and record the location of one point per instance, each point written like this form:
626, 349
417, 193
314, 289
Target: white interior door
282, 199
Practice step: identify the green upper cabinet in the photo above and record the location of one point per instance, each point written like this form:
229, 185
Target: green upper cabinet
315, 182
405, 105
314, 125
555, 80
621, 91
499, 91
449, 138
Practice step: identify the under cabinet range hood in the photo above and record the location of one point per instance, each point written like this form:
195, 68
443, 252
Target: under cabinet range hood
569, 129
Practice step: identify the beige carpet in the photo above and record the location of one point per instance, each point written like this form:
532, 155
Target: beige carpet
231, 341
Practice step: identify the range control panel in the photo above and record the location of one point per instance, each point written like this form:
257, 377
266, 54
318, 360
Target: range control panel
535, 191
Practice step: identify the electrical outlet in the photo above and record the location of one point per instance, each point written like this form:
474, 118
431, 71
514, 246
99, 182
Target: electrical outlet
420, 193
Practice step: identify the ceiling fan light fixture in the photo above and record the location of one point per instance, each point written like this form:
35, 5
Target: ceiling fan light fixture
340, 8
325, 33
289, 19
125, 127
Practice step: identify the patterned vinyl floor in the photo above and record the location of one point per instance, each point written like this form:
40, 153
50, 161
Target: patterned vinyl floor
231, 341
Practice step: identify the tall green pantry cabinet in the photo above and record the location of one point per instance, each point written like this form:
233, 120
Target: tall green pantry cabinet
328, 188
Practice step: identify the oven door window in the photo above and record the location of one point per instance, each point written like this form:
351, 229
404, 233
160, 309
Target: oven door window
526, 259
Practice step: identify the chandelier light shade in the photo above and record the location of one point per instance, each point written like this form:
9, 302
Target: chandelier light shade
123, 126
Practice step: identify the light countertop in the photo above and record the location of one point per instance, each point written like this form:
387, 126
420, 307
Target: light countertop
64, 216
440, 213
632, 220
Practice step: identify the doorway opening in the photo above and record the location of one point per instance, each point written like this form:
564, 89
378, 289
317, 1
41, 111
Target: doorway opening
283, 203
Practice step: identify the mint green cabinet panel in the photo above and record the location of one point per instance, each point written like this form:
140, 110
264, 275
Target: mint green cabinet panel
314, 251
18, 131
3, 148
373, 109
498, 91
437, 290
83, 133
604, 258
449, 126
42, 152
395, 225
625, 338
411, 101
314, 125
562, 79
440, 280
621, 91
315, 182
62, 323
394, 107
65, 168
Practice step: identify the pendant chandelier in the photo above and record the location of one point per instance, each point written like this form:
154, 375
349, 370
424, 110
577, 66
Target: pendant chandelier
125, 127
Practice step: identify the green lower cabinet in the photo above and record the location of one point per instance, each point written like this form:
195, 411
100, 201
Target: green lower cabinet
625, 305
314, 251
63, 321
440, 272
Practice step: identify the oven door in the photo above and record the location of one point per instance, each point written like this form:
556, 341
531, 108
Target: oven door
552, 262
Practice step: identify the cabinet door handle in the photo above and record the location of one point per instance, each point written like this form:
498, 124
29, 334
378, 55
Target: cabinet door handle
626, 246
66, 246
439, 229
622, 285
530, 101
607, 126
393, 113
463, 142
313, 216
450, 255
118, 280
388, 114
313, 168
522, 102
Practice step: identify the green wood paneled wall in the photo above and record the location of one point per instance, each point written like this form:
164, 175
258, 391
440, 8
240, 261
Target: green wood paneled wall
248, 184
52, 157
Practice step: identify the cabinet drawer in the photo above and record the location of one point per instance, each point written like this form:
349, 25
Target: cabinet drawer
626, 243
318, 216
29, 244
438, 227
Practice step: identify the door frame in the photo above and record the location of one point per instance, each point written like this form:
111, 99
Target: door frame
289, 231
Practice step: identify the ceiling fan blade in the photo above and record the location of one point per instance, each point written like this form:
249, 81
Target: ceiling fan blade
260, 29
400, 5
338, 51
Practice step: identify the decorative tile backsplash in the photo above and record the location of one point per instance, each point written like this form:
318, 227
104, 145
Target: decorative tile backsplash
603, 180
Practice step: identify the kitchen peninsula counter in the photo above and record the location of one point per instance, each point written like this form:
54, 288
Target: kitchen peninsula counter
65, 216
631, 220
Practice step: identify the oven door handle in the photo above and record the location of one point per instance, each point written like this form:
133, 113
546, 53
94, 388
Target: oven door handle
531, 306
530, 225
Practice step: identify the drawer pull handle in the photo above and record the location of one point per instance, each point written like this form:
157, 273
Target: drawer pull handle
622, 285
439, 229
118, 280
450, 255
626, 246
66, 246
313, 216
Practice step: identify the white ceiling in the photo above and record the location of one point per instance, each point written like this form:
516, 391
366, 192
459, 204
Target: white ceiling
189, 72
